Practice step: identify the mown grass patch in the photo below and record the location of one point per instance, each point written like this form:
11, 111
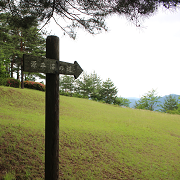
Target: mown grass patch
22, 152
140, 142
97, 141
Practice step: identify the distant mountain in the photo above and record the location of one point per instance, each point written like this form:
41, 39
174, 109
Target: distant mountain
133, 100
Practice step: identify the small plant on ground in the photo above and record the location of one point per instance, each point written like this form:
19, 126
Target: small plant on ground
9, 176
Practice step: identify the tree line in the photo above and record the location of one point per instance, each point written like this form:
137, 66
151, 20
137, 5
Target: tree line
92, 87
150, 101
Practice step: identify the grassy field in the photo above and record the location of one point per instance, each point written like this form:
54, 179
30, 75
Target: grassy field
97, 141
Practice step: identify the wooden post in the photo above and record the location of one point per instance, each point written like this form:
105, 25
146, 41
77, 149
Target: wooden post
52, 67
52, 114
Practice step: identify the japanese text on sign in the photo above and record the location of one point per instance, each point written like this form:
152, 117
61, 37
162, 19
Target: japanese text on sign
45, 65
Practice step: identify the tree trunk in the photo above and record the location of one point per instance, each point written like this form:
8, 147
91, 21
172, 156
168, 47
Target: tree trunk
12, 62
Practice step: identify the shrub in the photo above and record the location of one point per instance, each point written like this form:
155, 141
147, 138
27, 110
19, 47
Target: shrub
78, 95
3, 81
63, 93
12, 82
34, 85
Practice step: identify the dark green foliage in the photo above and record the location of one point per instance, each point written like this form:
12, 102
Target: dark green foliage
79, 95
66, 83
148, 101
3, 81
16, 41
96, 86
3, 72
170, 104
108, 91
178, 110
29, 77
12, 82
88, 86
89, 15
34, 85
122, 101
63, 93
6, 45
32, 76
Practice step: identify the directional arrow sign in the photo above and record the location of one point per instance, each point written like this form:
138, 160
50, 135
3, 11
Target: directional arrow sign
45, 65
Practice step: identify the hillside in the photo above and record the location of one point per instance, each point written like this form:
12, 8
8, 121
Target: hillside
97, 141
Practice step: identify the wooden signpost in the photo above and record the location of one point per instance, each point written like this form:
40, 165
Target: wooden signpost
46, 65
52, 67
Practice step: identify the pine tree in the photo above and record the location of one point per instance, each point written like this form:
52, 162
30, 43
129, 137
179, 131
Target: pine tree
17, 41
89, 15
66, 84
108, 91
6, 44
170, 104
89, 85
96, 86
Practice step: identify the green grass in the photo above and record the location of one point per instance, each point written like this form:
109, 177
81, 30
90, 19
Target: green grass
97, 141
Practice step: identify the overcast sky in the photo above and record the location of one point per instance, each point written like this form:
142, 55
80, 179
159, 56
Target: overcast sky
137, 60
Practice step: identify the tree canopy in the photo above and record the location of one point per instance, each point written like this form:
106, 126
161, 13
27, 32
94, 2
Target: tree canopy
14, 42
89, 14
148, 101
170, 104
92, 87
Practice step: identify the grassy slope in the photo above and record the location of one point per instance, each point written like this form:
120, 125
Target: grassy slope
97, 141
